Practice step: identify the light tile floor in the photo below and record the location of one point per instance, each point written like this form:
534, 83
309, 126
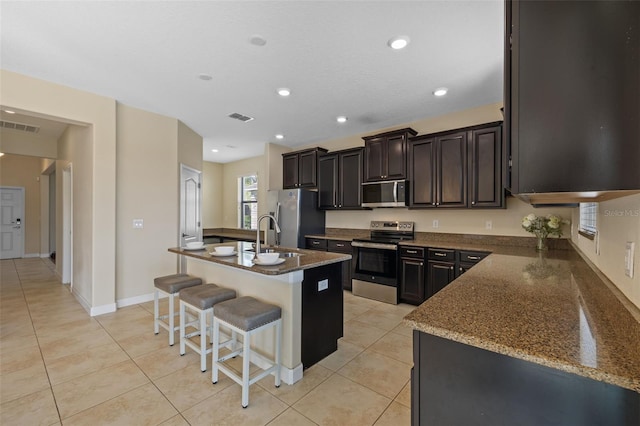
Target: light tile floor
60, 366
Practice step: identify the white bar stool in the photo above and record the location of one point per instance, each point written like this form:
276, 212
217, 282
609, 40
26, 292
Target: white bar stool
200, 300
245, 316
171, 286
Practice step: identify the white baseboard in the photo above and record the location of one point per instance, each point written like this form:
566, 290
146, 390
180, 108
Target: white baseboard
104, 309
135, 300
31, 255
287, 375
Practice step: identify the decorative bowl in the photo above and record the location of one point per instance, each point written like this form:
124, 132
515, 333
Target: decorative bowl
268, 257
195, 244
224, 249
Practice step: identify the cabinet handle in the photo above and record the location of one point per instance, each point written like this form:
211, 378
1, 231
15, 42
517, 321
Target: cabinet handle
440, 254
473, 257
339, 205
412, 251
420, 263
433, 204
451, 267
461, 270
437, 204
473, 203
315, 243
339, 245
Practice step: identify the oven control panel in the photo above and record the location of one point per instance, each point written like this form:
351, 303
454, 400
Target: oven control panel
391, 225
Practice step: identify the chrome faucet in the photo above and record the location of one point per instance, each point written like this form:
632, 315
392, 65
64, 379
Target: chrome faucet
275, 222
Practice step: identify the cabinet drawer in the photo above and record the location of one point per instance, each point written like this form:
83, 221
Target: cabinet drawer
339, 246
472, 256
316, 244
442, 254
413, 252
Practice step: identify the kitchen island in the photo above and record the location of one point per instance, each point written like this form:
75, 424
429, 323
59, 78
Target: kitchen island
528, 339
307, 285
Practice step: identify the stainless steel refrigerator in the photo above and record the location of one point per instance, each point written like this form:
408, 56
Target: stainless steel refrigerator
298, 215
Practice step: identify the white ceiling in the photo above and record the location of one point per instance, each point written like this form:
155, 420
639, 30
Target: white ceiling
333, 55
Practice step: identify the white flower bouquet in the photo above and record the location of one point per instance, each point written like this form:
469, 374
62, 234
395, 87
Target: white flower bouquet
542, 227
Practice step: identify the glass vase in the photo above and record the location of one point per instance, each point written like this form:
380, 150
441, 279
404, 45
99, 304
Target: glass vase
541, 243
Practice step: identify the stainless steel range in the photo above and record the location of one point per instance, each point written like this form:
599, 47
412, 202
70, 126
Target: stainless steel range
375, 260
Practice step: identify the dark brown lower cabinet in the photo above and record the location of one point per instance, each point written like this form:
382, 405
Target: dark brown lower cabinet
412, 275
440, 274
339, 246
456, 384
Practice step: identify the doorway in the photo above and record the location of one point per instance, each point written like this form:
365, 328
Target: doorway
11, 222
190, 207
67, 226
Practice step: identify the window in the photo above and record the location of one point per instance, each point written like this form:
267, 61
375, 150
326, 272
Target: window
588, 216
248, 199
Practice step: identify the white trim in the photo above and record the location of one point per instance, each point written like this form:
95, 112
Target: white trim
135, 300
104, 309
83, 302
32, 255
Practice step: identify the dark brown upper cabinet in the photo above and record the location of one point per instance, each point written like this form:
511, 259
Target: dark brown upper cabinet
485, 166
459, 168
340, 179
299, 169
385, 155
572, 96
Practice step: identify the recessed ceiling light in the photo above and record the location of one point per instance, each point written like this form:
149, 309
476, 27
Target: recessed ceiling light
279, 136
8, 111
205, 77
257, 40
214, 150
1, 154
397, 43
341, 119
441, 91
283, 91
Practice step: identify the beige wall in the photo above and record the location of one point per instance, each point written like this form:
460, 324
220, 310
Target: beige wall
148, 189
231, 173
618, 221
212, 190
23, 171
16, 142
29, 95
75, 149
273, 164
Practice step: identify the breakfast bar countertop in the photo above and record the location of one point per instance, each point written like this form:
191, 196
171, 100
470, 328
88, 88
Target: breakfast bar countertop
551, 309
243, 258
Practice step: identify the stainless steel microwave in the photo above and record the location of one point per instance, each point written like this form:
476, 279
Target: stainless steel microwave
390, 193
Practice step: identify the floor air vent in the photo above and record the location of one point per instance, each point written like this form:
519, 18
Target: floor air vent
19, 126
240, 117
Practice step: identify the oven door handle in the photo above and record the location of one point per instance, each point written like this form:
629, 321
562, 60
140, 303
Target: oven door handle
381, 246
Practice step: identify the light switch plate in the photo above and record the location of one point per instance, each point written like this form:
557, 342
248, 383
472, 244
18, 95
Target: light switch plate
628, 259
488, 224
138, 223
436, 223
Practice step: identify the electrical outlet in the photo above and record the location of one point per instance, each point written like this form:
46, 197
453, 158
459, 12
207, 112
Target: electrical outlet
488, 224
436, 223
138, 223
628, 259
323, 285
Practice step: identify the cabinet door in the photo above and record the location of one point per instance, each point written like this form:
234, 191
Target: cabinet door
375, 159
289, 171
575, 100
412, 284
396, 158
350, 179
307, 164
485, 165
440, 274
422, 173
327, 181
451, 170
339, 246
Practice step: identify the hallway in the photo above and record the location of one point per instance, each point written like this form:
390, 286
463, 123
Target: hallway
60, 366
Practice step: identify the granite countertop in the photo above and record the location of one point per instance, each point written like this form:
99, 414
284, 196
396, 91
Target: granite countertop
307, 259
550, 309
236, 234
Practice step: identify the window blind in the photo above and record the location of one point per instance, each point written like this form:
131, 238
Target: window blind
588, 218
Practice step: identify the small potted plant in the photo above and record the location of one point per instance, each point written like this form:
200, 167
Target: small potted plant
542, 227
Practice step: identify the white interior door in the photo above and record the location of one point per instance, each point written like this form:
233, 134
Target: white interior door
190, 205
12, 222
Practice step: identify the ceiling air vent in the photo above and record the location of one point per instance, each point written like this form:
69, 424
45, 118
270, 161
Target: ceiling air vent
19, 126
240, 117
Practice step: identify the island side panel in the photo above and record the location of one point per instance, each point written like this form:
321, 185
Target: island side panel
462, 384
282, 290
